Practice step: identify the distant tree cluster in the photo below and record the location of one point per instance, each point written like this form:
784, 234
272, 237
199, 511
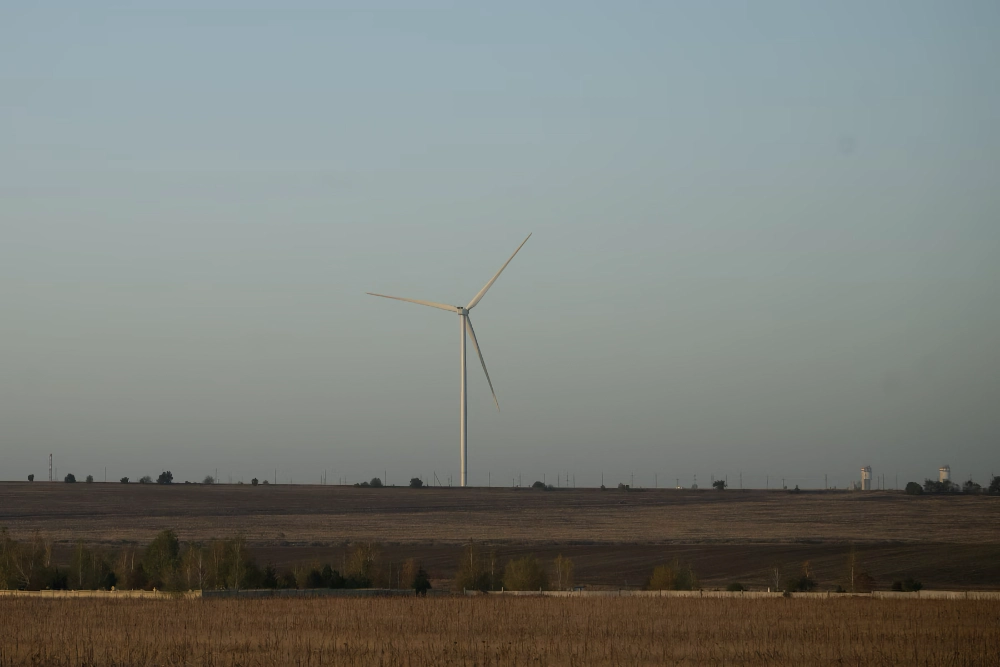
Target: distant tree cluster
480, 570
947, 486
674, 576
907, 585
168, 564
804, 582
376, 483
934, 486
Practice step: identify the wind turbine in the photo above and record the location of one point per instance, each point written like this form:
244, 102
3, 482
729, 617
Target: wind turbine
466, 326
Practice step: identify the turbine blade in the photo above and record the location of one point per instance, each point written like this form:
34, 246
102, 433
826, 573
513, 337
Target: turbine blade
482, 292
442, 306
475, 344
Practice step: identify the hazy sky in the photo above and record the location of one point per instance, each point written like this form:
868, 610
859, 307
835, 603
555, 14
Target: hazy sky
766, 238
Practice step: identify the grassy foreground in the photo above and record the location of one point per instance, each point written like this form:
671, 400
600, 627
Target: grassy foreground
498, 631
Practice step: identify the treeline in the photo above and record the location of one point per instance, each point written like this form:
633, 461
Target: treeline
480, 570
167, 564
947, 486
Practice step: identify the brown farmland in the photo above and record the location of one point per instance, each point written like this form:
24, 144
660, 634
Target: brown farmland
614, 537
498, 631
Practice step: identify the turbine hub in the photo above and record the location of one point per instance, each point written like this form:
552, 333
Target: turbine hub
462, 311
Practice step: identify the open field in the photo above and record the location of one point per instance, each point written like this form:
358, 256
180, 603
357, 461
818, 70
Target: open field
498, 631
613, 537
302, 515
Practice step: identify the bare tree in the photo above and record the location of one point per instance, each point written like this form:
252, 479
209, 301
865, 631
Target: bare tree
564, 572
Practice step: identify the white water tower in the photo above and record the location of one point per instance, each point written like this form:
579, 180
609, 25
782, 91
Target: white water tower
866, 478
944, 473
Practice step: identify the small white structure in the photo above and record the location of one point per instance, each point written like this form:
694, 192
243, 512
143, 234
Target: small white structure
866, 478
944, 473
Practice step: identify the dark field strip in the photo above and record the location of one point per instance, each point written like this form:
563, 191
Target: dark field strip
500, 632
938, 566
323, 515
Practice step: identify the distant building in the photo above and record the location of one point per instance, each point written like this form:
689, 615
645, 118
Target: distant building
944, 473
866, 478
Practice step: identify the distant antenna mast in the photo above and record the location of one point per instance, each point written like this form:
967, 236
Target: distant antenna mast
50, 467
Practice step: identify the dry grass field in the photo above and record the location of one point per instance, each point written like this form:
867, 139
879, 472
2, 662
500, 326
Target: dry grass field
498, 631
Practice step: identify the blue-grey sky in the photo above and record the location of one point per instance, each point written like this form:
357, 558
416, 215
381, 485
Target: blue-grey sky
766, 239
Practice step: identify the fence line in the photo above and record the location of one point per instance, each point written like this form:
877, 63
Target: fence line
751, 595
389, 592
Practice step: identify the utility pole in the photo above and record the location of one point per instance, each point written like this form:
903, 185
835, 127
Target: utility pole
656, 481
741, 480
50, 467
105, 473
825, 485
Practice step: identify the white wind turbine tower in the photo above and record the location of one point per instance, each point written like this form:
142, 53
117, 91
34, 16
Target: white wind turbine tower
466, 326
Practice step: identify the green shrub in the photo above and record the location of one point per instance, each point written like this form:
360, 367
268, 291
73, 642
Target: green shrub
70, 479
421, 584
913, 489
525, 574
802, 584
